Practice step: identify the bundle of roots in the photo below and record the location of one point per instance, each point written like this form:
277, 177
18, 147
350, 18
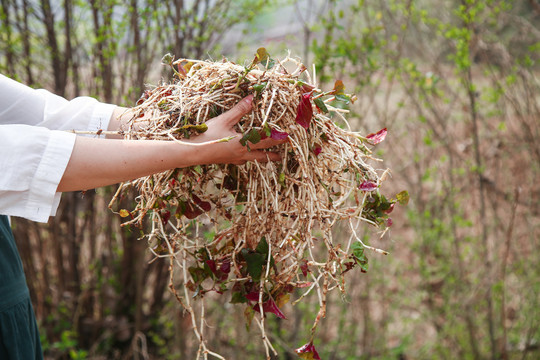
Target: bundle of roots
257, 232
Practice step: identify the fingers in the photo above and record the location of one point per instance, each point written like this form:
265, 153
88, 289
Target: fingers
263, 156
234, 115
267, 143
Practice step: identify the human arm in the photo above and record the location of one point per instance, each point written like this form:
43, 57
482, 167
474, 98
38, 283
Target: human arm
33, 151
98, 162
34, 159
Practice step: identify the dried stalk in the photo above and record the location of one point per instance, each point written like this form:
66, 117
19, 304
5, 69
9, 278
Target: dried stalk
263, 215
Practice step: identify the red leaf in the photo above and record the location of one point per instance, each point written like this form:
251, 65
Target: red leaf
278, 135
205, 205
367, 186
307, 88
212, 265
304, 268
253, 296
317, 150
308, 352
226, 266
270, 306
304, 111
191, 211
389, 222
378, 137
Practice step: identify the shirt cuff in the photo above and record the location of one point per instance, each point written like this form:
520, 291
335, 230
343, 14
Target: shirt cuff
101, 116
43, 199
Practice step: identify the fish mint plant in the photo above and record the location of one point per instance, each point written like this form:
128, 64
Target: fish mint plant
271, 224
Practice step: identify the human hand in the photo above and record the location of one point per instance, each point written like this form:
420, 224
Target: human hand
232, 151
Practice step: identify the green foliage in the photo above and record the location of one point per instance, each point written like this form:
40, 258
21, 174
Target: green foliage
465, 84
425, 70
66, 345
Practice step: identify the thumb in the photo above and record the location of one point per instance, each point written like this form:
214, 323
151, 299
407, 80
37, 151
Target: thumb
234, 115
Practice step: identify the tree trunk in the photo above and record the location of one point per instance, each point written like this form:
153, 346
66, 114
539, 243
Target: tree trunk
57, 61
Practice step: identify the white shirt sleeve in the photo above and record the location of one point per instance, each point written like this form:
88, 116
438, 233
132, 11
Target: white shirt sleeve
34, 152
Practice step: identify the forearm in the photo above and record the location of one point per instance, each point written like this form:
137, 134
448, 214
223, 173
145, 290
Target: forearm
101, 162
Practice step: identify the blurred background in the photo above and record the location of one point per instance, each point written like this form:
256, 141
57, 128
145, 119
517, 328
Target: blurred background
456, 82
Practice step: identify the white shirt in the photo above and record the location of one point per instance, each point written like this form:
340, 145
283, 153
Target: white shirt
35, 148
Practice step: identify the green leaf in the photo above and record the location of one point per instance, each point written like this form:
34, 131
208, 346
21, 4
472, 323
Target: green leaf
263, 58
281, 179
267, 130
253, 136
259, 87
357, 249
198, 128
181, 209
262, 248
341, 97
320, 105
254, 262
359, 255
403, 197
167, 59
238, 298
198, 274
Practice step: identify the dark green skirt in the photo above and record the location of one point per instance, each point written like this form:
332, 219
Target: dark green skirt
19, 336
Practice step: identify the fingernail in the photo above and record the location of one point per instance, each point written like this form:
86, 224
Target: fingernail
248, 99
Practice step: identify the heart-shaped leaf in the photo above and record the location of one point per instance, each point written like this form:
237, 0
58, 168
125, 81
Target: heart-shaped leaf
304, 111
263, 58
271, 307
339, 88
254, 262
190, 210
278, 135
253, 136
360, 256
403, 197
204, 205
262, 247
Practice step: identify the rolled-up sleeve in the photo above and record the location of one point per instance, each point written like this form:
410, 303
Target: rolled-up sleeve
34, 149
